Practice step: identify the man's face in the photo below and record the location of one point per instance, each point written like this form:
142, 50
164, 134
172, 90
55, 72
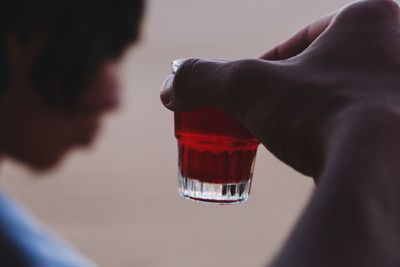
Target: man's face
40, 135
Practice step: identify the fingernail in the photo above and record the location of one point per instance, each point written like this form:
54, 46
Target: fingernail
176, 64
166, 90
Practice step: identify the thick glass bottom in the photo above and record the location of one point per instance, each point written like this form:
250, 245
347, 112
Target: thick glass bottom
214, 192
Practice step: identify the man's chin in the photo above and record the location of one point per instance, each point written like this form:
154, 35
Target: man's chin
41, 167
42, 164
47, 161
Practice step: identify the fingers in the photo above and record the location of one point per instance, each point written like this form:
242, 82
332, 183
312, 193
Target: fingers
191, 86
196, 83
228, 85
300, 41
205, 76
351, 19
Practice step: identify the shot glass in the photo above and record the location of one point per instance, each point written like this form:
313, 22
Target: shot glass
216, 155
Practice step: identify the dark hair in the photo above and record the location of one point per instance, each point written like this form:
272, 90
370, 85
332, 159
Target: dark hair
80, 35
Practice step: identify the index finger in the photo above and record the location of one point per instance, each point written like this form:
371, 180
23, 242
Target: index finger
301, 40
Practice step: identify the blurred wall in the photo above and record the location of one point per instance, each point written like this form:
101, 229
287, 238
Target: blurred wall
118, 202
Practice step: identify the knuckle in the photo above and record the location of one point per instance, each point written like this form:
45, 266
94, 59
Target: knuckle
236, 74
368, 20
242, 74
373, 8
240, 82
389, 4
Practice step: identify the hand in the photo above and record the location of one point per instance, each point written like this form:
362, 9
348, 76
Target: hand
328, 77
327, 103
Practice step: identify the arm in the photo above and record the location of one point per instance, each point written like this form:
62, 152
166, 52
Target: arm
327, 103
353, 216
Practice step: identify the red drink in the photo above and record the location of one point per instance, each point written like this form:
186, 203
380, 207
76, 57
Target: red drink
216, 156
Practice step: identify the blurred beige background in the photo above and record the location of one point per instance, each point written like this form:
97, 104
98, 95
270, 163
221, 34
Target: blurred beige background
118, 202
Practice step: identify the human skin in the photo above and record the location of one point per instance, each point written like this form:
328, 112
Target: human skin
327, 103
37, 134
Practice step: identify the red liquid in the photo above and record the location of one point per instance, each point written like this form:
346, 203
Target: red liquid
214, 147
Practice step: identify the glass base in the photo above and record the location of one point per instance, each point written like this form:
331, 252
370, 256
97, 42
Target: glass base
214, 193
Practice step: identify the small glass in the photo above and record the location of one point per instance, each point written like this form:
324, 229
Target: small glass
216, 155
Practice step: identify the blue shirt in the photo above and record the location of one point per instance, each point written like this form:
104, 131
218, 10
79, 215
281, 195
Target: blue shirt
26, 243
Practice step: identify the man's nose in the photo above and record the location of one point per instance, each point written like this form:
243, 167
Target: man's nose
103, 92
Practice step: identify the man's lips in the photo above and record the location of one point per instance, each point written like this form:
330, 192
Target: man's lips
87, 137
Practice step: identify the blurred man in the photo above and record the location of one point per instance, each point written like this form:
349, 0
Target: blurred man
57, 80
327, 103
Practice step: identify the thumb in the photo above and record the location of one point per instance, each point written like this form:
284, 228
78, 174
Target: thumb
229, 85
194, 83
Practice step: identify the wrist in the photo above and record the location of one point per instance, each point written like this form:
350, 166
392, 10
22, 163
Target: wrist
360, 179
353, 216
364, 140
